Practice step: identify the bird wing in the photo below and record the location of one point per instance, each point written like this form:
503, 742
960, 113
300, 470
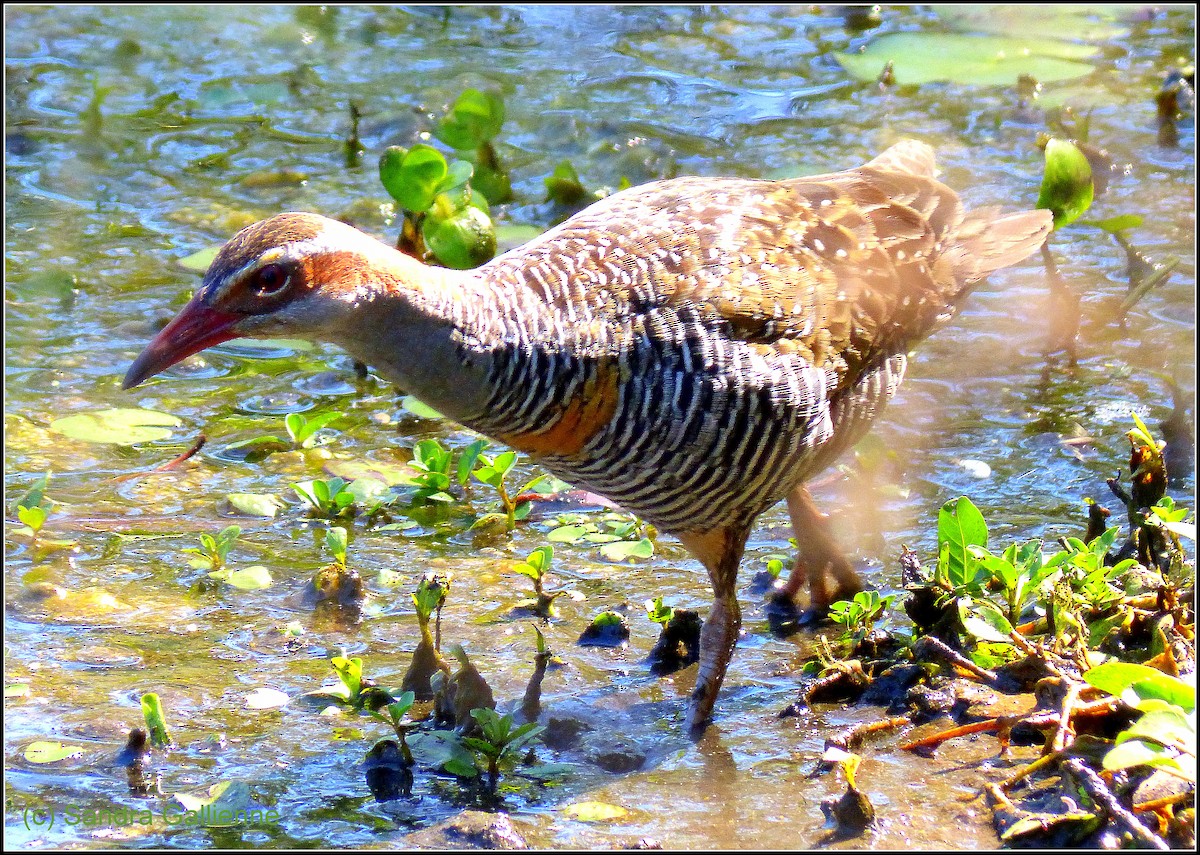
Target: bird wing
838, 270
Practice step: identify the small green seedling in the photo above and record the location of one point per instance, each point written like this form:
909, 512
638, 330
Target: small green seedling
214, 551
335, 497
156, 722
444, 220
607, 629
353, 689
33, 508
859, 614
536, 566
427, 659
432, 462
213, 556
659, 613
499, 740
302, 433
493, 472
335, 542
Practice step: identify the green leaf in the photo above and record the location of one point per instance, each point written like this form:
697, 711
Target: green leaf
335, 542
657, 612
1144, 682
623, 550
251, 578
461, 241
1067, 184
156, 722
1113, 225
568, 533
984, 621
961, 526
1138, 753
1169, 727
472, 120
420, 409
926, 57
467, 459
563, 185
117, 426
412, 176
32, 517
200, 261
51, 752
255, 504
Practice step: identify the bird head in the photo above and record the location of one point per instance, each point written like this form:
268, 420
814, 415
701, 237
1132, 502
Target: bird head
286, 276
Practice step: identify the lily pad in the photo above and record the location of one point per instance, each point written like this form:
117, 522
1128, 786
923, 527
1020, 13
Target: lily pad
51, 752
117, 426
970, 59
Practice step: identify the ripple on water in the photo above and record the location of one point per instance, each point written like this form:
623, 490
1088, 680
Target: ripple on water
275, 404
324, 383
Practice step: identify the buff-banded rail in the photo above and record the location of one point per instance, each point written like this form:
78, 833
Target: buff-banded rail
693, 349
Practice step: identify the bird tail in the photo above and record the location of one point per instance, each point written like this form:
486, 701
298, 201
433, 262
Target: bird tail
910, 157
987, 242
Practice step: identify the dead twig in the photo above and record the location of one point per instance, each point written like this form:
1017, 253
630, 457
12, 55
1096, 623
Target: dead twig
1107, 800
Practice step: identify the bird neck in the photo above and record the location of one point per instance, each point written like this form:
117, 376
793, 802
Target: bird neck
434, 332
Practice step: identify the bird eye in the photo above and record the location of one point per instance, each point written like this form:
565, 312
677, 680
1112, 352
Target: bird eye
271, 279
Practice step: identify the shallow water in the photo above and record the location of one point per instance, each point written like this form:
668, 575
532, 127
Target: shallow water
203, 108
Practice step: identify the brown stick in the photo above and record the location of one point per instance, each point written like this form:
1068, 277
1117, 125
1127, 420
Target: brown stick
1106, 799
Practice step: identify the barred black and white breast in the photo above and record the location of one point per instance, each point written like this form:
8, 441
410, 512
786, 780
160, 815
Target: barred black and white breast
709, 343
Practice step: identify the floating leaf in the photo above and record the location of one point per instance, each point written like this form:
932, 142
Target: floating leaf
927, 57
420, 409
225, 804
567, 533
623, 550
51, 752
1067, 185
595, 811
246, 579
255, 504
266, 699
1115, 224
117, 426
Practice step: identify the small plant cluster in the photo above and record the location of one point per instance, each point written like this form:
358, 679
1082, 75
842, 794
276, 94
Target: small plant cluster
1022, 617
445, 204
460, 733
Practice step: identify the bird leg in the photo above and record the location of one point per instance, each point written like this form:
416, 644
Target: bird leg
818, 558
721, 552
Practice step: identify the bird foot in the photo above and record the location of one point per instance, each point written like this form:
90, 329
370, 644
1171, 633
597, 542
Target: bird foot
785, 616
